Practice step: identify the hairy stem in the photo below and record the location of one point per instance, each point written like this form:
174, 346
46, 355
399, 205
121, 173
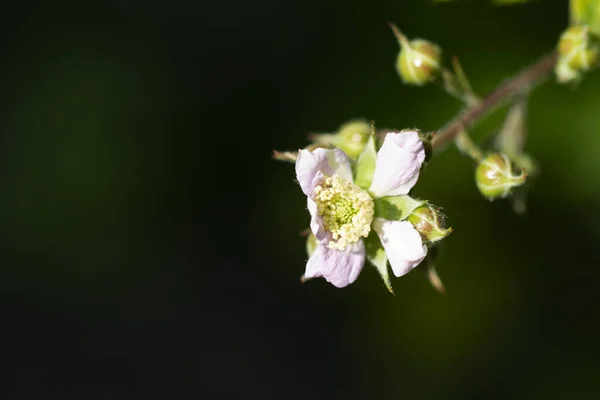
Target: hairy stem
520, 83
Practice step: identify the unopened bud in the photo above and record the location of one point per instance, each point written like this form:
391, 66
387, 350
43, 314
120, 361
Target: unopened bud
586, 12
496, 176
351, 137
579, 51
418, 61
430, 223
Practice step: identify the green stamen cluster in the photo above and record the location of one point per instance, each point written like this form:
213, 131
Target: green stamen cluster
346, 209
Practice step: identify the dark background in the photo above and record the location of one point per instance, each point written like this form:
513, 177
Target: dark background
149, 245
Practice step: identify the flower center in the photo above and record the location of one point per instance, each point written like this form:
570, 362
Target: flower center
346, 209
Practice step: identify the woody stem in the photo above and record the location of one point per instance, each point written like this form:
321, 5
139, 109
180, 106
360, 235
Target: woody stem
519, 83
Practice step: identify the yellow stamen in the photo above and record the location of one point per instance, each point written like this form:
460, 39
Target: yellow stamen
346, 209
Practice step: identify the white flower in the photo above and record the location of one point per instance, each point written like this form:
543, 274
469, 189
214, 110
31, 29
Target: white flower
342, 213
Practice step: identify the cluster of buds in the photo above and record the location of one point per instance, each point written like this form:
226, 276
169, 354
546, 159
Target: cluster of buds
579, 51
358, 187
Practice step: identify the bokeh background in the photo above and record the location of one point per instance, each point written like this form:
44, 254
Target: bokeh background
150, 247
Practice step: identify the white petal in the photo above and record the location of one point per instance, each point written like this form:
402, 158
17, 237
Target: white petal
338, 164
398, 164
329, 162
340, 268
402, 243
307, 165
316, 221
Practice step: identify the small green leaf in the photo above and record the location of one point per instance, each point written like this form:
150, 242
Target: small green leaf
365, 165
396, 208
376, 256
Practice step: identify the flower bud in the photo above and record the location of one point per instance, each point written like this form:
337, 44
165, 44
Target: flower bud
586, 12
351, 137
579, 47
430, 223
579, 51
496, 176
418, 61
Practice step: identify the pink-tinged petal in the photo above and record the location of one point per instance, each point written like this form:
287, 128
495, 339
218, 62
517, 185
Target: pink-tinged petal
398, 164
307, 165
338, 164
402, 244
340, 268
328, 162
316, 221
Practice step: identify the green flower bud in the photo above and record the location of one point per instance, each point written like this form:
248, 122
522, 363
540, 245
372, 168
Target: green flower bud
579, 48
418, 62
579, 51
496, 176
430, 223
351, 137
586, 12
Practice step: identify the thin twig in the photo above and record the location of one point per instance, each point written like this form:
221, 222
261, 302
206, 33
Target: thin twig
521, 82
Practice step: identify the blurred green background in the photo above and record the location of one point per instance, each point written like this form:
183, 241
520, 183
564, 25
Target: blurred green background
151, 247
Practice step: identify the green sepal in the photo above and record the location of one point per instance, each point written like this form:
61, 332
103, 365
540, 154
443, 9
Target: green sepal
586, 12
376, 256
365, 165
396, 208
287, 156
311, 244
426, 139
427, 266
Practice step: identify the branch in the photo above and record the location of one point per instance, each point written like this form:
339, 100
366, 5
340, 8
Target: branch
521, 82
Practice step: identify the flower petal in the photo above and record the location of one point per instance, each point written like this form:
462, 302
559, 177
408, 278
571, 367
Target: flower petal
316, 221
338, 164
398, 164
340, 268
307, 165
329, 162
402, 243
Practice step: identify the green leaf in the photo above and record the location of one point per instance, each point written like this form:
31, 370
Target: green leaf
365, 165
376, 256
396, 208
